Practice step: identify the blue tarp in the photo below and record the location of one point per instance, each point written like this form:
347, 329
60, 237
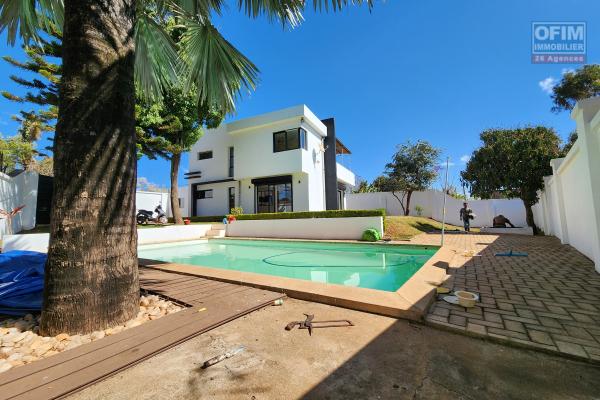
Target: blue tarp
21, 282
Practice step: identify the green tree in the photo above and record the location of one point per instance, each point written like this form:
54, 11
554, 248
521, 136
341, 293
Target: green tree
169, 127
576, 85
514, 163
15, 153
41, 91
413, 168
91, 278
569, 143
363, 186
45, 166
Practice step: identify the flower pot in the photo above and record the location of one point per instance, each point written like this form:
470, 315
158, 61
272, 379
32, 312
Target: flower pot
466, 299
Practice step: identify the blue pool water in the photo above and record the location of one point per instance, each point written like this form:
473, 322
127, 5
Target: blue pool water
382, 267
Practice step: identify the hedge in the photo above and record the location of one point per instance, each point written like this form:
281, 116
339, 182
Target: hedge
298, 215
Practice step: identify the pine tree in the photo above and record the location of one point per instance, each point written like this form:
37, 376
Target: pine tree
42, 90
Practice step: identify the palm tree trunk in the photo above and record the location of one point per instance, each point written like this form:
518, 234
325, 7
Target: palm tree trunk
91, 279
175, 160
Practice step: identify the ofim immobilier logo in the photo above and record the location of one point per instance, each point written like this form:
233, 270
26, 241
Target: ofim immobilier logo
558, 42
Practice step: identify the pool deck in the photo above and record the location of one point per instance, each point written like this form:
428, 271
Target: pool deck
211, 304
547, 301
410, 301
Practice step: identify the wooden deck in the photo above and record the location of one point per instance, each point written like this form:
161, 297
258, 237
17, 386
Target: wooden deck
211, 303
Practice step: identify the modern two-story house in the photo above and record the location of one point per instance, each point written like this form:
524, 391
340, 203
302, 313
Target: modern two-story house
284, 160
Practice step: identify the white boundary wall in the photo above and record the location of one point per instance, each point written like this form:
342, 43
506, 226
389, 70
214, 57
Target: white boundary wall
432, 203
350, 228
17, 191
39, 241
569, 206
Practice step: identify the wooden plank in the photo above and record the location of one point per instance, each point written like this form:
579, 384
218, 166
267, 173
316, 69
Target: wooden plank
158, 283
187, 292
202, 297
71, 370
84, 370
186, 286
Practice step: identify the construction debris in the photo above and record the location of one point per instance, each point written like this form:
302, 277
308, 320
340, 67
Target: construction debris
310, 324
218, 359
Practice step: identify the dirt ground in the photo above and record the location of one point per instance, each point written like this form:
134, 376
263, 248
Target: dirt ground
379, 358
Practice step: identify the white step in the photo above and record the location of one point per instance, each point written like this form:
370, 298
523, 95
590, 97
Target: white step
215, 233
217, 227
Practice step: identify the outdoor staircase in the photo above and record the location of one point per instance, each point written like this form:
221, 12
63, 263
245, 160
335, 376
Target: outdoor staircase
216, 231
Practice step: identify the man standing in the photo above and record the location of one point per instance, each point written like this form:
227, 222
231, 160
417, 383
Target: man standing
466, 215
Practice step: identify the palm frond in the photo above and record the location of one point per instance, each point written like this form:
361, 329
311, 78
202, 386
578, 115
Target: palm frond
157, 63
216, 68
287, 11
337, 5
24, 18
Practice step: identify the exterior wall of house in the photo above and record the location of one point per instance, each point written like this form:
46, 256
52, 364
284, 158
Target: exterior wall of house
252, 140
215, 140
219, 203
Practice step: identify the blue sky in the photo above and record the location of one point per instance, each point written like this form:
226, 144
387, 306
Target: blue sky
438, 70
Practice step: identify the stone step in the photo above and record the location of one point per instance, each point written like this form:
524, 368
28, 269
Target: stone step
217, 227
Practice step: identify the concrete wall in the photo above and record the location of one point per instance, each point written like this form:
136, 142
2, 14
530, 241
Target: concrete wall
569, 206
39, 241
432, 203
149, 201
310, 228
17, 191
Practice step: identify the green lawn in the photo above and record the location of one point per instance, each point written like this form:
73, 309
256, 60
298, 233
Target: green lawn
403, 228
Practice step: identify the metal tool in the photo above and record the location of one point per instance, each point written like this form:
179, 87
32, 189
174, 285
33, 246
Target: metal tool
310, 324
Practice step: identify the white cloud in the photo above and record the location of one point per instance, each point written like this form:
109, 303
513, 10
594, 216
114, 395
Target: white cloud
548, 84
465, 159
443, 164
144, 184
566, 70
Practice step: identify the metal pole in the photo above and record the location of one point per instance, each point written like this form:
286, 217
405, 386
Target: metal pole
444, 193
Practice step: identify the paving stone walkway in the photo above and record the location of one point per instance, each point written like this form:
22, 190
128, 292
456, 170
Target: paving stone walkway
549, 300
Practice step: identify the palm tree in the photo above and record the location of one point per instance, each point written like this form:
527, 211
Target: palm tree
108, 47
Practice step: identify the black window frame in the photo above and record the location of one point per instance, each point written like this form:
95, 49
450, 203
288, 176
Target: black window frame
230, 157
202, 194
205, 155
301, 139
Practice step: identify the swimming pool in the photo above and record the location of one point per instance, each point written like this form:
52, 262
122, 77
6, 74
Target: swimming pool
381, 267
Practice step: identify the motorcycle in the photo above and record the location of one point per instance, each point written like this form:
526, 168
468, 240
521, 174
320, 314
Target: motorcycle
143, 217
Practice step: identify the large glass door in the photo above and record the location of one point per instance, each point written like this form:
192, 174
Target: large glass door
274, 198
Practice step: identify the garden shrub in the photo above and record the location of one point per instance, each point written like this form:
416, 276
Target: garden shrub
371, 235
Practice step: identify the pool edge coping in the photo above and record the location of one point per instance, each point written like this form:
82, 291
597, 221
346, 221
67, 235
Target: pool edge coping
411, 301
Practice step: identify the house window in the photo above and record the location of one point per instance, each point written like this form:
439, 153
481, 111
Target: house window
230, 162
290, 139
180, 202
205, 194
231, 198
272, 198
205, 155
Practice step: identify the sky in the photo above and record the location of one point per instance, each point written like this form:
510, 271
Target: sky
436, 70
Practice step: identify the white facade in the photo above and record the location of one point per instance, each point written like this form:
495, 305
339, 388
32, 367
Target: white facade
237, 165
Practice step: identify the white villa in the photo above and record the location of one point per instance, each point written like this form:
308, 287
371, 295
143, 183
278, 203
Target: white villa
284, 160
